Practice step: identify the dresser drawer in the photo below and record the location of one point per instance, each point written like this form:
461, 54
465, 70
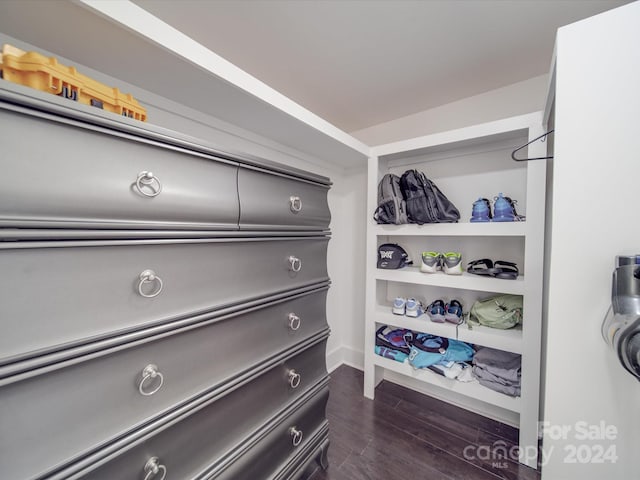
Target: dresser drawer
89, 404
210, 436
63, 293
60, 175
271, 454
271, 201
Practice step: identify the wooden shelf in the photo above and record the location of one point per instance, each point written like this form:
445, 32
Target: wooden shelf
465, 281
470, 389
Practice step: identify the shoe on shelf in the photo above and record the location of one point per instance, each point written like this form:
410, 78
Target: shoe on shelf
452, 263
399, 306
414, 308
431, 262
489, 268
453, 312
519, 218
504, 209
481, 211
436, 311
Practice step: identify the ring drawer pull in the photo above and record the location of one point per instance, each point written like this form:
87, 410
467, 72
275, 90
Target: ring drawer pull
295, 264
296, 435
148, 184
294, 379
149, 276
294, 321
295, 203
152, 468
149, 373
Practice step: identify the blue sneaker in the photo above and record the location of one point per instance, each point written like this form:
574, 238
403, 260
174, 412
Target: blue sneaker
436, 311
503, 209
481, 211
414, 308
453, 312
519, 218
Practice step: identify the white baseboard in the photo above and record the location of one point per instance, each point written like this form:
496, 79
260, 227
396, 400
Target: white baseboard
334, 359
345, 356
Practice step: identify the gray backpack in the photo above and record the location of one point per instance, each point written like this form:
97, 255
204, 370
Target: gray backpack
391, 205
425, 202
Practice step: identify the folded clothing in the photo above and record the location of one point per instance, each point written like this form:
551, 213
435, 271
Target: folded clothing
427, 350
467, 374
447, 369
455, 370
391, 353
511, 390
505, 365
500, 371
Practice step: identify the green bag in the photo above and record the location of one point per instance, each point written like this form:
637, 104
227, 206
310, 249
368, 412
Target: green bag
500, 311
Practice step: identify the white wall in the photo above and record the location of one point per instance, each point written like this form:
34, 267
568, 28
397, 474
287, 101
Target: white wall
347, 256
595, 194
516, 99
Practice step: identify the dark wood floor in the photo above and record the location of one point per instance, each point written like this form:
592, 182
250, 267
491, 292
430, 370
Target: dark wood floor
403, 434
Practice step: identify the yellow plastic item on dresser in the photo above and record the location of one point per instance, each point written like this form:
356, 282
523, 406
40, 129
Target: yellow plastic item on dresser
46, 74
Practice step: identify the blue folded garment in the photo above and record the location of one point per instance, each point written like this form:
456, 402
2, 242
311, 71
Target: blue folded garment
386, 352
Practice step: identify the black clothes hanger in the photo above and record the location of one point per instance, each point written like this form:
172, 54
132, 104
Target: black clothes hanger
543, 137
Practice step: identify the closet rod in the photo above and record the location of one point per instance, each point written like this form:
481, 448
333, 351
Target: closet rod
542, 137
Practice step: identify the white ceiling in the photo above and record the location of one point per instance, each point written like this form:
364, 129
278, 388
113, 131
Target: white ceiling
358, 63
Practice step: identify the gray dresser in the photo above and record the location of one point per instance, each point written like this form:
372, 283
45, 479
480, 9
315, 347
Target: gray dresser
162, 303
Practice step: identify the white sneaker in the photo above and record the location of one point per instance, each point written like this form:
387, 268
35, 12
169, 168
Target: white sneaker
452, 263
431, 262
414, 308
399, 306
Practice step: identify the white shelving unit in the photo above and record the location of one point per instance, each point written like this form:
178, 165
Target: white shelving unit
466, 164
465, 281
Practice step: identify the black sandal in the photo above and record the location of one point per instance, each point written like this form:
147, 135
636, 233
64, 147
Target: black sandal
508, 270
497, 269
483, 266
